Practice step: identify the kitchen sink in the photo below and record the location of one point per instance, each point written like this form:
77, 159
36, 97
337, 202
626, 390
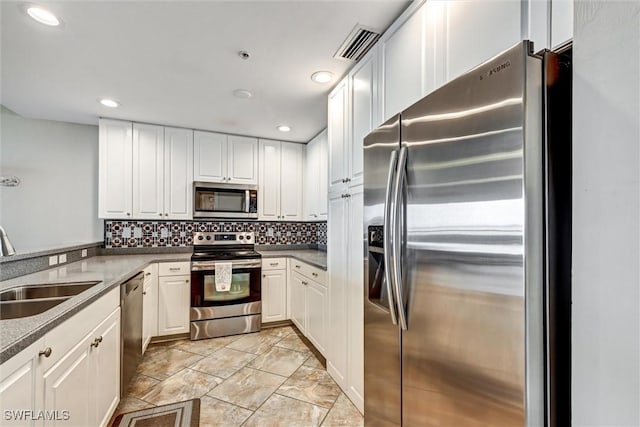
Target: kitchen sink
30, 307
45, 291
30, 300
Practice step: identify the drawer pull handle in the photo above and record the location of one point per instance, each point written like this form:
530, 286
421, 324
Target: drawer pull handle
305, 283
174, 268
147, 274
273, 264
46, 352
96, 342
187, 281
314, 274
297, 266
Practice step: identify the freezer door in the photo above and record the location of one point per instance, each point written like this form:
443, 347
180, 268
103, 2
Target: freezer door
382, 373
464, 350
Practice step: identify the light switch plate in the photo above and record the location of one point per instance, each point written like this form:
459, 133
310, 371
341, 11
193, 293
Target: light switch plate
83, 253
62, 258
53, 260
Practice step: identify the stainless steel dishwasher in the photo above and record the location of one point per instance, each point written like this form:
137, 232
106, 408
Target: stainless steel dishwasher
131, 329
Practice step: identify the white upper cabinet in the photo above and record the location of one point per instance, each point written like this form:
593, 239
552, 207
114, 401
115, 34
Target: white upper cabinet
115, 172
561, 22
209, 156
162, 171
337, 133
178, 173
315, 178
225, 158
291, 181
363, 85
148, 171
280, 188
477, 30
401, 53
242, 160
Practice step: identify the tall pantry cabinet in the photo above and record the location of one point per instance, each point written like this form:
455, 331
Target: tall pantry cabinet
353, 112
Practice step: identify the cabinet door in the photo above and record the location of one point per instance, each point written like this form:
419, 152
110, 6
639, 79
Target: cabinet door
338, 272
269, 191
173, 305
401, 53
243, 160
149, 305
561, 22
355, 299
323, 180
274, 295
363, 93
317, 300
148, 171
68, 386
291, 181
19, 384
106, 368
337, 124
209, 156
115, 168
493, 25
311, 170
178, 173
298, 309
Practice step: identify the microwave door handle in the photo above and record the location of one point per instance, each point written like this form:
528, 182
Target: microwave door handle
246, 201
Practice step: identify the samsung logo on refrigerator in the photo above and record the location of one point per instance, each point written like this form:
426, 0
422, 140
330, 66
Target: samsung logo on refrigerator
496, 70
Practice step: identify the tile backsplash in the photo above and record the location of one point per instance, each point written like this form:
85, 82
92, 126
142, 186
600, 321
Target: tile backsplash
153, 234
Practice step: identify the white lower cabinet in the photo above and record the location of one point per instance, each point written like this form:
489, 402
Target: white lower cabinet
274, 290
20, 384
309, 303
174, 293
317, 300
71, 376
149, 305
85, 384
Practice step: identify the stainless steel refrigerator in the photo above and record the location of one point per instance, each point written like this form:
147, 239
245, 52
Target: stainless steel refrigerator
467, 198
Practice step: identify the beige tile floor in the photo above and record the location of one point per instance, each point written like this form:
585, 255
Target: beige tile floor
269, 378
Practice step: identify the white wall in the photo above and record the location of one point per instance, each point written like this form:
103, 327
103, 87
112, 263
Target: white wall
606, 214
57, 201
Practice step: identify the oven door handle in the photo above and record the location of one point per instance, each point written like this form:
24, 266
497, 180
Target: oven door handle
210, 265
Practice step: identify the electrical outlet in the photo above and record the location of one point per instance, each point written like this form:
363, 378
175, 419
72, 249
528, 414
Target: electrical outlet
53, 260
62, 258
270, 232
83, 253
137, 232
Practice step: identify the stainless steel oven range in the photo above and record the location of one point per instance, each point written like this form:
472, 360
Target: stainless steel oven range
235, 307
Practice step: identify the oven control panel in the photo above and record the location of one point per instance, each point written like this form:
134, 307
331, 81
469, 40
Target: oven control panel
223, 238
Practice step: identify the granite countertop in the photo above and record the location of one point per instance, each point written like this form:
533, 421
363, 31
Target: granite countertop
110, 271
315, 257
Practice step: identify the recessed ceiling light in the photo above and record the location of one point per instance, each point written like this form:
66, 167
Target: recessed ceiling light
283, 128
109, 103
242, 93
43, 16
322, 76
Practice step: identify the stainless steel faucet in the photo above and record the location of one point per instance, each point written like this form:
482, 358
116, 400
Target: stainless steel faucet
6, 248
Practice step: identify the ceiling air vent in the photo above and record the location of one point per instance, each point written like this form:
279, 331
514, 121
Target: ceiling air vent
357, 43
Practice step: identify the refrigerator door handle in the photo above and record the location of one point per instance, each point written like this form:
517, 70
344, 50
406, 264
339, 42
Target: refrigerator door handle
388, 212
397, 237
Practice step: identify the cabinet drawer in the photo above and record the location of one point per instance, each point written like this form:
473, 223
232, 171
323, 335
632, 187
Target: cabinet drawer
274, 263
174, 268
66, 335
309, 271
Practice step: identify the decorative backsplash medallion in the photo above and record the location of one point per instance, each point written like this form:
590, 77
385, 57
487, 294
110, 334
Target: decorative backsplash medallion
153, 234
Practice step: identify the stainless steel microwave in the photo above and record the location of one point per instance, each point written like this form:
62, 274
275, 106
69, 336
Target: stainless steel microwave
212, 200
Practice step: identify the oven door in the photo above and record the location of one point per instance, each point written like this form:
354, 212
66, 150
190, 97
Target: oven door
245, 284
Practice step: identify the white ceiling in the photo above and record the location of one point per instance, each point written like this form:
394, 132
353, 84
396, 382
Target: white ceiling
176, 62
